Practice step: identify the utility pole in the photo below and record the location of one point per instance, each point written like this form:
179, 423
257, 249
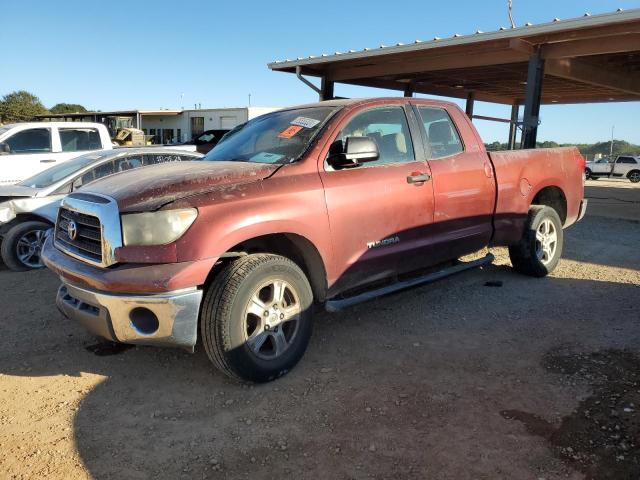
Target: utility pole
249, 100
611, 148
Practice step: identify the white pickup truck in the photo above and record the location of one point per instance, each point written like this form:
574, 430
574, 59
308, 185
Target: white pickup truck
29, 148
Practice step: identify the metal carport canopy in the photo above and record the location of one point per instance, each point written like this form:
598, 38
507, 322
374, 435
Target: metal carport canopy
594, 58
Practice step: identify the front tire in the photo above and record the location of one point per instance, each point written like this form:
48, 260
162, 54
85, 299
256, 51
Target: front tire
634, 176
539, 251
256, 318
21, 246
587, 174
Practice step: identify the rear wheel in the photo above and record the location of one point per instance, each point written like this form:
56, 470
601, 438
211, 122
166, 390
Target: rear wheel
256, 318
22, 245
587, 174
634, 176
539, 251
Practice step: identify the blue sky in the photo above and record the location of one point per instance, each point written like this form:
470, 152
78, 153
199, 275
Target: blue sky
134, 54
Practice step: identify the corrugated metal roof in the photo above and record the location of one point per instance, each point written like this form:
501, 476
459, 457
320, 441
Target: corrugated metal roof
556, 25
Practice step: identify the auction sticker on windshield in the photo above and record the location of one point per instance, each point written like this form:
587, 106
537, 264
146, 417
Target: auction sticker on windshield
305, 122
290, 131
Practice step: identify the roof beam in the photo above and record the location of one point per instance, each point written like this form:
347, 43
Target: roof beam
429, 89
583, 72
427, 64
592, 46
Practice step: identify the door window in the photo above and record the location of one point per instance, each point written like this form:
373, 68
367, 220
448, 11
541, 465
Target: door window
34, 140
442, 136
100, 171
388, 127
127, 163
626, 160
79, 139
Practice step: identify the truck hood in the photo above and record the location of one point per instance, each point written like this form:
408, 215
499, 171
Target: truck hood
17, 191
149, 188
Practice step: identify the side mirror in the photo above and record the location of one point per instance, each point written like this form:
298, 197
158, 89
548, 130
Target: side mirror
4, 149
352, 152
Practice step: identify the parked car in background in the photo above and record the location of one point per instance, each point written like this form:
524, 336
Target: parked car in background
29, 148
29, 209
625, 166
207, 140
329, 204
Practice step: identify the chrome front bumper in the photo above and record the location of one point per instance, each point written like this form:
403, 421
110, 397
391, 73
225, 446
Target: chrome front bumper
125, 318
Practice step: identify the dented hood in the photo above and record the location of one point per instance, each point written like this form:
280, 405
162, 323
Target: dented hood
149, 188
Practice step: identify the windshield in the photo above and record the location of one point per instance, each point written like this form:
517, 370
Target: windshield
277, 137
60, 172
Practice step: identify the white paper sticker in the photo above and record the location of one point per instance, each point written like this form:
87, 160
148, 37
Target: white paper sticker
305, 122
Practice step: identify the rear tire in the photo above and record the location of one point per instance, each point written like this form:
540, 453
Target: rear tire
587, 174
539, 251
21, 246
634, 176
256, 318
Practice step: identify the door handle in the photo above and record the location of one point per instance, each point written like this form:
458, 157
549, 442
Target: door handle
418, 178
47, 161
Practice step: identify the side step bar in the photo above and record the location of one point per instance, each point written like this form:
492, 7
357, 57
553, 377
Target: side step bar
341, 304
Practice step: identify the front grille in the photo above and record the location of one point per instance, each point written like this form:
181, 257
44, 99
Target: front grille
88, 241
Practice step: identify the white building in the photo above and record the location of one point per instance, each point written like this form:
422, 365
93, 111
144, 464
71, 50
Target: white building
167, 126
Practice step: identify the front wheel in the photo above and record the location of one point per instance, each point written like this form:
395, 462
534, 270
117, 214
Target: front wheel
539, 251
256, 318
587, 174
21, 246
634, 176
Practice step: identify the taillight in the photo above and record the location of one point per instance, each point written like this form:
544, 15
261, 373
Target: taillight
582, 163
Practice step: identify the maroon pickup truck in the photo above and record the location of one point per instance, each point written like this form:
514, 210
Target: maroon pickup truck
325, 204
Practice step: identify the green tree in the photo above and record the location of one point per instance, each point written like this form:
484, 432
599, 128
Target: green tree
67, 108
20, 106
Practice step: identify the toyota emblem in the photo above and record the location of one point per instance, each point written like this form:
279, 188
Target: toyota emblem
72, 230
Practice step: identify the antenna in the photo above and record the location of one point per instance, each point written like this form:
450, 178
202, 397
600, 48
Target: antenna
513, 24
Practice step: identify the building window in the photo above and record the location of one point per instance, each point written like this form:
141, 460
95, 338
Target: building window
179, 135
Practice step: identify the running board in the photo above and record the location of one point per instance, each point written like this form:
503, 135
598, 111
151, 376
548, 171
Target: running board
341, 304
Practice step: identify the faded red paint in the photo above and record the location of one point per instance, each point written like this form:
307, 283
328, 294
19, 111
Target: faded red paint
473, 199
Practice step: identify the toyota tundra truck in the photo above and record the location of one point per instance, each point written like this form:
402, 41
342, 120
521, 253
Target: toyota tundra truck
327, 204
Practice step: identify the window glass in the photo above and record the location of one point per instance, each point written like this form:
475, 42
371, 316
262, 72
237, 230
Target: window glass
127, 163
100, 171
388, 127
626, 160
60, 171
79, 139
279, 137
35, 140
442, 136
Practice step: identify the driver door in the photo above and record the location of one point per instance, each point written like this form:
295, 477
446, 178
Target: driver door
377, 214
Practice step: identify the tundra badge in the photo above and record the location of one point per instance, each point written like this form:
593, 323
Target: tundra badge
384, 242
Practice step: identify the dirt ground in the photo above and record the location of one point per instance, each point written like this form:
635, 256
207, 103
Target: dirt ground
533, 379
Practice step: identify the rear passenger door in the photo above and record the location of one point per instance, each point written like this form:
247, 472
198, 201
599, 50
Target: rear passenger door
623, 166
378, 220
462, 181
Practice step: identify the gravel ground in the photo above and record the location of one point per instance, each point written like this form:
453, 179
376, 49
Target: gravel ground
536, 378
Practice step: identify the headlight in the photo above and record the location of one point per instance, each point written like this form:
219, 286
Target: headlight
156, 228
6, 213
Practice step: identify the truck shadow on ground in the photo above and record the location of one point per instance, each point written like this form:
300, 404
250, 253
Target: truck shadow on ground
385, 388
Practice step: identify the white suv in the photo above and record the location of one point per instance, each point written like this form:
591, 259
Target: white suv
625, 166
